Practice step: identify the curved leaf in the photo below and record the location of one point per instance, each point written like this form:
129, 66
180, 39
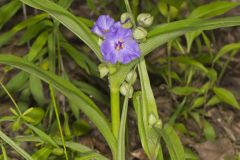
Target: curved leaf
70, 91
10, 142
226, 96
226, 49
68, 20
174, 145
212, 9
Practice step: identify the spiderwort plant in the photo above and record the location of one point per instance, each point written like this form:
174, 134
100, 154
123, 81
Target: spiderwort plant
118, 46
119, 53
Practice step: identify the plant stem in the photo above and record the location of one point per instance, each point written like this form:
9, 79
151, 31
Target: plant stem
129, 10
58, 120
169, 46
12, 99
115, 109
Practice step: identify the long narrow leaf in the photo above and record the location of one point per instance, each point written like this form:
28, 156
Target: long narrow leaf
68, 20
8, 10
9, 141
149, 111
174, 145
70, 91
166, 32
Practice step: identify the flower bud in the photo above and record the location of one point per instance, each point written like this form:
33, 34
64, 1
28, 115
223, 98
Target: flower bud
103, 70
126, 90
131, 77
112, 68
126, 20
139, 33
152, 119
158, 124
145, 19
100, 41
58, 151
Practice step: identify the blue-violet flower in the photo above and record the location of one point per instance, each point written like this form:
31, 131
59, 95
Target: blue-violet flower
103, 25
118, 44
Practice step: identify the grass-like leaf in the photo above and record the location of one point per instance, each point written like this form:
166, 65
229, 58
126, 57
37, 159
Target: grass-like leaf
226, 96
174, 145
8, 10
70, 91
10, 142
212, 9
68, 20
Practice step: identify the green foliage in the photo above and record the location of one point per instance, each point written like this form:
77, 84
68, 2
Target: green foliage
53, 122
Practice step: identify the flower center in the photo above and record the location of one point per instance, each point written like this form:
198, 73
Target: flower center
119, 45
105, 30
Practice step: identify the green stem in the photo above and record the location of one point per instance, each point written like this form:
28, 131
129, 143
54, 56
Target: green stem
12, 99
169, 45
129, 10
58, 120
225, 66
115, 110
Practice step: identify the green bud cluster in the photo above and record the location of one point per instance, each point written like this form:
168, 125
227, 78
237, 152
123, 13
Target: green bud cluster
105, 69
144, 20
126, 20
126, 88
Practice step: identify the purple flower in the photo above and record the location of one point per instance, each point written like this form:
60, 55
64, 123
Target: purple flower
103, 25
119, 45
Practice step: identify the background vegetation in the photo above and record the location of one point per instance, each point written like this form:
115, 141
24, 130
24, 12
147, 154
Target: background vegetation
55, 105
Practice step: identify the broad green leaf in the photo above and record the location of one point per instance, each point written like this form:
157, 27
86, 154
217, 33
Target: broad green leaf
42, 154
208, 131
46, 138
33, 115
8, 10
11, 143
68, 20
226, 49
212, 9
36, 88
70, 91
7, 36
226, 96
213, 101
198, 102
184, 91
174, 145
